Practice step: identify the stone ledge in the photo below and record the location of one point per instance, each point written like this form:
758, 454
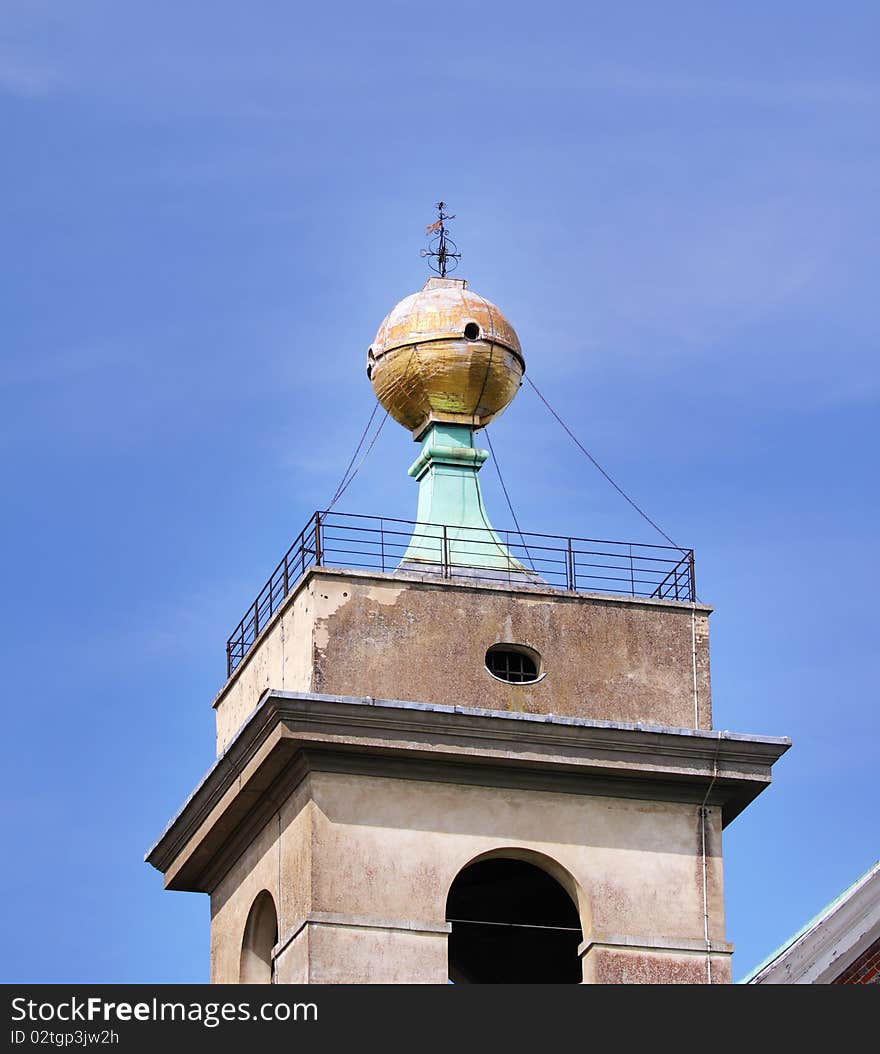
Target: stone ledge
357, 922
687, 945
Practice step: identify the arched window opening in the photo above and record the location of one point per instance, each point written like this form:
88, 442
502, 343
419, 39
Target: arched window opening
512, 923
260, 937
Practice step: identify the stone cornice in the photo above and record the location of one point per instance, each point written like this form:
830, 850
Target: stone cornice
289, 734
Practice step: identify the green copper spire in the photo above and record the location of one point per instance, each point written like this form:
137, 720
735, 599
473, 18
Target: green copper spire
453, 529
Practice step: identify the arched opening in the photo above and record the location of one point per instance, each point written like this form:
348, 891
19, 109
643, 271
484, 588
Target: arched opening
512, 923
260, 937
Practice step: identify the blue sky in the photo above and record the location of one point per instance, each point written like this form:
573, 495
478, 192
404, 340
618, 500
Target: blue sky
207, 211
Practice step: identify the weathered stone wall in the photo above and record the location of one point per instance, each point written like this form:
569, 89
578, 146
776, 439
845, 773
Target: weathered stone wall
366, 863
425, 640
282, 660
278, 859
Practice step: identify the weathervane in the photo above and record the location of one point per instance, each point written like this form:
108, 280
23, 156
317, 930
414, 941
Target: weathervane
442, 253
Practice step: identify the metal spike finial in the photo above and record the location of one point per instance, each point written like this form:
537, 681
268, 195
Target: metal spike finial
442, 252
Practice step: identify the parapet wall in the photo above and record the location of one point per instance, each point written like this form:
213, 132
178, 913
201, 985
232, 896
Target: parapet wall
424, 639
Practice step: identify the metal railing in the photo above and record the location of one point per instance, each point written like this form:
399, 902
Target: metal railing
579, 565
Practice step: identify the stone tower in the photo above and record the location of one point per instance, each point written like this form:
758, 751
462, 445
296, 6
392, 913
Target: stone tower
447, 752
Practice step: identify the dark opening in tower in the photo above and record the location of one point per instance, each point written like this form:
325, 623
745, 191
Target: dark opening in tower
260, 938
512, 923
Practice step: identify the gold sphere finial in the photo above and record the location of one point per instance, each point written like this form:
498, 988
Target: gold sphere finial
445, 354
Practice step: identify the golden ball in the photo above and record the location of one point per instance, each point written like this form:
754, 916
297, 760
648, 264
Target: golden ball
445, 354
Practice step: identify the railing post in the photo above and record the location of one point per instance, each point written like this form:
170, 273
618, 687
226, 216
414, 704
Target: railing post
318, 552
286, 576
693, 582
444, 555
382, 542
632, 577
256, 617
569, 568
228, 658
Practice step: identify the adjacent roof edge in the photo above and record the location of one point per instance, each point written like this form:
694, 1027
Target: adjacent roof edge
825, 914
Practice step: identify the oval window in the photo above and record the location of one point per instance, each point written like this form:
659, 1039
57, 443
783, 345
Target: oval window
514, 663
